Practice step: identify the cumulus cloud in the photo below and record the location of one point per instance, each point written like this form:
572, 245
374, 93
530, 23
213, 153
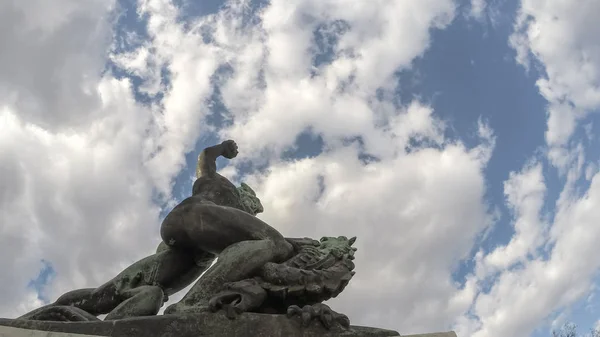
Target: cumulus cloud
525, 193
387, 173
89, 180
76, 153
542, 270
75, 199
89, 166
51, 60
561, 37
410, 234
548, 265
541, 285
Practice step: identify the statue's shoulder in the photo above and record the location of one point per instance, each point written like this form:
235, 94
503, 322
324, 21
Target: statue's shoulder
211, 183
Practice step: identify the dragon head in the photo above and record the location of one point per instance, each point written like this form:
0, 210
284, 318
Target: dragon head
338, 246
249, 200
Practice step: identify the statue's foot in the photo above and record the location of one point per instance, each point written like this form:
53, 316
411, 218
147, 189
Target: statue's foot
323, 312
238, 297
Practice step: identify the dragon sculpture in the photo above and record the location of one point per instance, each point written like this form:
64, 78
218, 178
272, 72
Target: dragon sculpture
318, 272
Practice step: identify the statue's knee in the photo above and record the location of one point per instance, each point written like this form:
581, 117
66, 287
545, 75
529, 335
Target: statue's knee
284, 249
173, 229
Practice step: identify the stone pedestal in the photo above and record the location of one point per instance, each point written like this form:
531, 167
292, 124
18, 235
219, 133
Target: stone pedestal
196, 325
207, 324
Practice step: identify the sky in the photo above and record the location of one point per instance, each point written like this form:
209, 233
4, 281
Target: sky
455, 139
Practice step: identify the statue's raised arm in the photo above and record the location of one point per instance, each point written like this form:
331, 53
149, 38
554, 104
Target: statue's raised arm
207, 161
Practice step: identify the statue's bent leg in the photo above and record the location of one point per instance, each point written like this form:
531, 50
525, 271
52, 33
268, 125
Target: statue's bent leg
243, 243
195, 225
141, 301
235, 263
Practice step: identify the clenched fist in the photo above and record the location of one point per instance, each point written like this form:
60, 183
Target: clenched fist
230, 149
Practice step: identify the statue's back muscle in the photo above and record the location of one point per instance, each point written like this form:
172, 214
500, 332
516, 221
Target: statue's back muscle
217, 189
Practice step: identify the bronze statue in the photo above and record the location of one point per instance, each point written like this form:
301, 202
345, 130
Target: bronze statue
258, 270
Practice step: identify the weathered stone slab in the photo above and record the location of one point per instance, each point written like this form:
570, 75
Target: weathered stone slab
207, 324
6, 331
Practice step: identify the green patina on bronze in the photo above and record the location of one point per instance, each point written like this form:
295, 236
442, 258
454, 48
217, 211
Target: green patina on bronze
249, 200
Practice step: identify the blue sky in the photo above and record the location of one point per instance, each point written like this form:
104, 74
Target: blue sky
456, 139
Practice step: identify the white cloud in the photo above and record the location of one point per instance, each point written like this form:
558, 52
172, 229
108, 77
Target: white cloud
273, 92
75, 199
525, 196
410, 234
83, 184
539, 285
280, 52
478, 8
44, 75
416, 209
562, 37
78, 154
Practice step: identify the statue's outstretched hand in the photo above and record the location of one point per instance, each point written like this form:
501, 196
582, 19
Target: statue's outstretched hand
230, 149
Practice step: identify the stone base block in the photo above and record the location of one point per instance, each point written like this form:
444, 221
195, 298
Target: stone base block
196, 325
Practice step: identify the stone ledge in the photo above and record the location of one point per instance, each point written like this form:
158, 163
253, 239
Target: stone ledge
190, 325
435, 334
196, 325
7, 331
